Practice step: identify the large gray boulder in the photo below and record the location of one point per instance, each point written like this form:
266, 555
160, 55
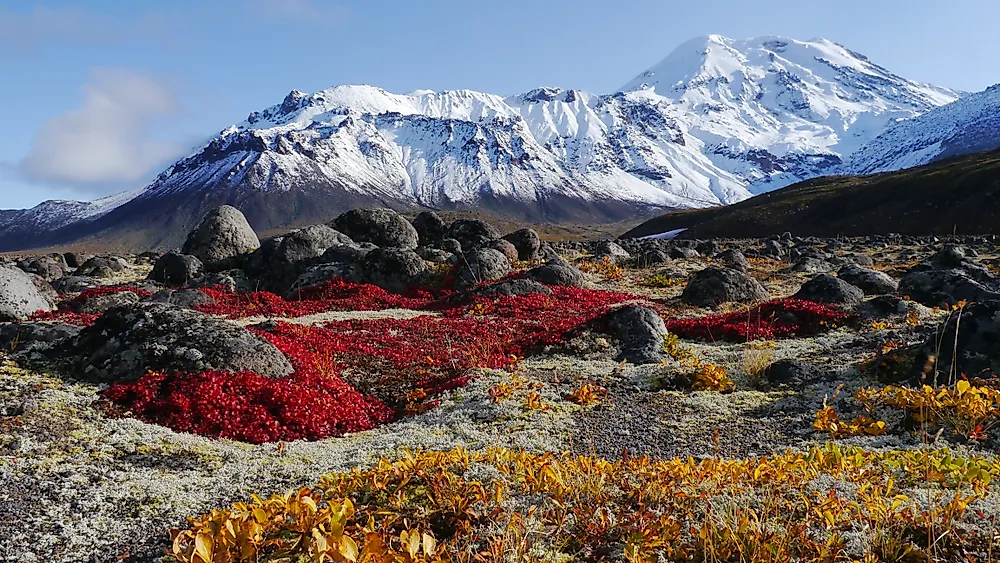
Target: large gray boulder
126, 342
872, 282
382, 227
223, 234
480, 265
526, 242
102, 267
713, 286
557, 272
392, 269
825, 288
947, 277
472, 233
19, 296
430, 228
640, 332
49, 268
176, 269
974, 353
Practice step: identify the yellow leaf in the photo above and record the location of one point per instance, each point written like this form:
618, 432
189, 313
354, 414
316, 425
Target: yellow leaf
430, 544
962, 387
259, 516
348, 549
322, 546
308, 501
203, 547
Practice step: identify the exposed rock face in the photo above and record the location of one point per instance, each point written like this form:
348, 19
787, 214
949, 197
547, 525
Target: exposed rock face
19, 296
176, 269
382, 227
126, 342
871, 282
713, 286
479, 265
527, 243
825, 288
222, 235
472, 233
640, 332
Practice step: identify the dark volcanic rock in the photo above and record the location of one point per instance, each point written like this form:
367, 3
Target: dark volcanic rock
825, 288
734, 259
713, 286
382, 227
557, 273
392, 269
640, 332
76, 259
606, 249
653, 258
101, 267
683, 252
126, 342
480, 265
810, 265
222, 235
871, 282
73, 284
187, 298
101, 303
526, 242
472, 233
176, 269
977, 345
434, 254
48, 267
451, 245
37, 341
430, 228
20, 297
508, 288
503, 247
790, 372
948, 277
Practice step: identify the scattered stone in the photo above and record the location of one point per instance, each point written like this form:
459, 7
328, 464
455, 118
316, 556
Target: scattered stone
383, 227
316, 275
611, 251
76, 259
825, 288
38, 341
392, 269
101, 303
509, 288
472, 233
557, 273
176, 269
187, 298
653, 258
978, 346
479, 265
102, 267
503, 247
872, 282
430, 228
790, 372
527, 243
810, 265
451, 245
640, 331
435, 255
346, 253
222, 235
734, 259
678, 252
49, 268
127, 342
73, 284
19, 296
714, 286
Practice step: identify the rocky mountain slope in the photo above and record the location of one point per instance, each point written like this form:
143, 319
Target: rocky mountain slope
960, 194
715, 122
969, 125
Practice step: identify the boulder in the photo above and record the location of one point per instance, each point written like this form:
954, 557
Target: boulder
127, 342
346, 253
316, 275
73, 284
430, 228
734, 259
19, 296
508, 288
948, 277
435, 255
222, 235
392, 269
678, 252
825, 288
76, 259
480, 265
472, 233
790, 372
654, 257
606, 249
810, 265
101, 303
187, 298
526, 242
713, 286
451, 245
557, 273
975, 352
382, 227
872, 282
102, 267
49, 268
176, 269
37, 341
504, 247
640, 332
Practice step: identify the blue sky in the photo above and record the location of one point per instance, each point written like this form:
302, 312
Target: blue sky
100, 96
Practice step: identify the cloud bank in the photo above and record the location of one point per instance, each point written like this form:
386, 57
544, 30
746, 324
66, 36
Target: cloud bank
109, 140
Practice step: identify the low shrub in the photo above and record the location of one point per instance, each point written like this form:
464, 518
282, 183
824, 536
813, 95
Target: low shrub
782, 318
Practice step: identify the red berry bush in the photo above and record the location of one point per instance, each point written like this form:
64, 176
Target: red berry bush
781, 318
355, 374
64, 310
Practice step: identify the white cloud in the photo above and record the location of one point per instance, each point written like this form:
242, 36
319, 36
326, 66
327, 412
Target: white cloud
109, 139
70, 24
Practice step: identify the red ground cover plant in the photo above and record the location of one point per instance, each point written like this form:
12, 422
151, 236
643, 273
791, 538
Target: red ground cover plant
64, 310
781, 318
353, 375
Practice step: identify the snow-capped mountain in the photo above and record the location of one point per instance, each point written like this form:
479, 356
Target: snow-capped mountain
715, 122
969, 125
54, 214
